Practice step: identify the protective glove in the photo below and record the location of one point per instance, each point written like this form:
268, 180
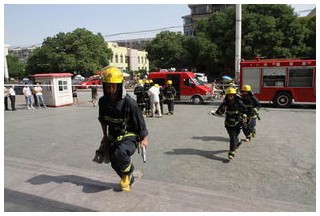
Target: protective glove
212, 112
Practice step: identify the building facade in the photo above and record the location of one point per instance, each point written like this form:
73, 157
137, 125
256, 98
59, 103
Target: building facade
139, 43
200, 11
22, 53
128, 59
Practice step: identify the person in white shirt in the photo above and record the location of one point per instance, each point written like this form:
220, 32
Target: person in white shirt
12, 96
39, 95
6, 94
28, 95
153, 93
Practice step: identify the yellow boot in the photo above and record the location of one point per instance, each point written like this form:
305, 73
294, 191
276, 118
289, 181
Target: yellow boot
125, 183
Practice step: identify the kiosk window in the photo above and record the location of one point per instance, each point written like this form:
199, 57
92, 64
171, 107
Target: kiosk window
63, 85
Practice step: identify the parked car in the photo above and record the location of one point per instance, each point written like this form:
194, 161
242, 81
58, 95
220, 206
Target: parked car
86, 83
202, 77
19, 87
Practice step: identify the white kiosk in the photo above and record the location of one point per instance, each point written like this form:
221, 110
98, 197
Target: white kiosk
56, 88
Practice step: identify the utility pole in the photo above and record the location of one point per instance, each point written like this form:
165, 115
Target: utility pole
6, 72
238, 42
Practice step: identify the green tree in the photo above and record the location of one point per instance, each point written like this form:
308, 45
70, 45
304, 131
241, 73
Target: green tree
310, 39
219, 29
199, 52
79, 51
166, 49
272, 31
15, 68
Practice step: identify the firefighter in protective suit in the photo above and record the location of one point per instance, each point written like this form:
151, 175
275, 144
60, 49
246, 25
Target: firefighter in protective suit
140, 93
234, 109
123, 127
252, 105
169, 94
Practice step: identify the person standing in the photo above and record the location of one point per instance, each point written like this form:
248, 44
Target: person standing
75, 96
147, 86
28, 96
252, 105
6, 95
39, 95
154, 93
139, 92
94, 95
12, 96
122, 124
161, 97
234, 109
169, 94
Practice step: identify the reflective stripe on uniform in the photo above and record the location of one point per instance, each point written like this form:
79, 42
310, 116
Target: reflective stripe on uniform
119, 138
127, 169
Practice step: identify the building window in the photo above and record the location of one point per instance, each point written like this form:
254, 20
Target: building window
117, 58
138, 59
121, 58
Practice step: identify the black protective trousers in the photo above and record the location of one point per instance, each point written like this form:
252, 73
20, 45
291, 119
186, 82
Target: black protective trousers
120, 155
170, 106
250, 127
234, 136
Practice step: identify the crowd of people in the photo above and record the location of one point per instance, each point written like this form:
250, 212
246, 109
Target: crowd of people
33, 96
151, 97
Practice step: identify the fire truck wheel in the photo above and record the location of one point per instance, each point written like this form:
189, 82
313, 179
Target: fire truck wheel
282, 99
197, 100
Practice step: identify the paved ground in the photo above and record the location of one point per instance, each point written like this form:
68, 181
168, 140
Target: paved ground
48, 156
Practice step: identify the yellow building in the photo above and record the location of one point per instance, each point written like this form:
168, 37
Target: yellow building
128, 59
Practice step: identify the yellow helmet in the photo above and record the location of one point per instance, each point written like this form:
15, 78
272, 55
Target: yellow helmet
156, 85
169, 82
231, 91
246, 88
140, 81
146, 81
151, 81
112, 74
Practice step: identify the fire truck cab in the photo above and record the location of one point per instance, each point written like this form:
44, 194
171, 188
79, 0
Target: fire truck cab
280, 81
189, 88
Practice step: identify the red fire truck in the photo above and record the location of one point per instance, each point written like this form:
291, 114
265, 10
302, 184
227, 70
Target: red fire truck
280, 81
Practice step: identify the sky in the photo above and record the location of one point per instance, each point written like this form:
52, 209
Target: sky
30, 24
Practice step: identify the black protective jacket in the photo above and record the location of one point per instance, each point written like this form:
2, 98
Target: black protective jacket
234, 111
122, 118
252, 105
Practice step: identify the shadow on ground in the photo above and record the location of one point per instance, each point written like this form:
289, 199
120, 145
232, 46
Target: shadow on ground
89, 185
211, 138
207, 154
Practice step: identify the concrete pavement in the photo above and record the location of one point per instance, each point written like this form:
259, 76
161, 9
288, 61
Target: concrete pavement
48, 155
74, 189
